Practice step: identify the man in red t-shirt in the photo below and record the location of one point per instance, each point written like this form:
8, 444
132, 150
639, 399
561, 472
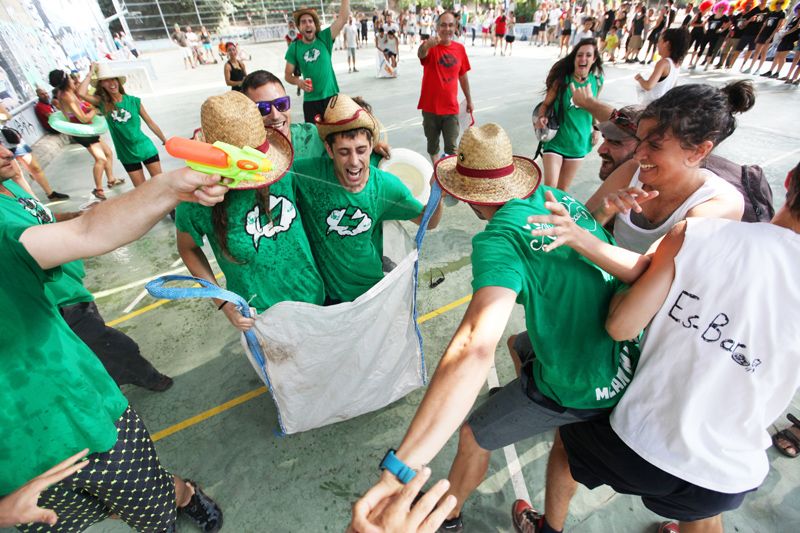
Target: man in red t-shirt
499, 32
44, 109
445, 66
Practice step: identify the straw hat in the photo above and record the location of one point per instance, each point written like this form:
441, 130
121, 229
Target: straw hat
485, 172
104, 73
344, 114
234, 119
307, 11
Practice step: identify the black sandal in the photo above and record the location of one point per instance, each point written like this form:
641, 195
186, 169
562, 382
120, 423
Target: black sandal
788, 436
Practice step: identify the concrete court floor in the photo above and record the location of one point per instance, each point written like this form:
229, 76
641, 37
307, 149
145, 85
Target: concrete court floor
307, 482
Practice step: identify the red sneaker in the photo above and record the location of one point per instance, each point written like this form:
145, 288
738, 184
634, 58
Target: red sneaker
525, 518
668, 527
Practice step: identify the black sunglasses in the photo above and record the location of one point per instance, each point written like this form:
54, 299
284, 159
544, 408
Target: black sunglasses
282, 104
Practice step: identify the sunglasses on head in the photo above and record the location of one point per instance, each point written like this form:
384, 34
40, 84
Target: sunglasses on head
282, 104
623, 122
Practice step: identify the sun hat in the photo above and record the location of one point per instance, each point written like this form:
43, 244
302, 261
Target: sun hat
234, 119
307, 11
485, 171
621, 126
104, 73
344, 114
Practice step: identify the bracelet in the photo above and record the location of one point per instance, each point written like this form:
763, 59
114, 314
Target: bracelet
223, 304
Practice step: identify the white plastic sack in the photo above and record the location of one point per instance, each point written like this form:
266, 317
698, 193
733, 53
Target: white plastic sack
327, 364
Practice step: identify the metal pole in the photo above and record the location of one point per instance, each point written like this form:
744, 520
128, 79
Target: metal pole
265, 13
121, 14
322, 11
164, 22
199, 19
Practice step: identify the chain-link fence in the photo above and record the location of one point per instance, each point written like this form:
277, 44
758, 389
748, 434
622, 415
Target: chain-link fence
154, 19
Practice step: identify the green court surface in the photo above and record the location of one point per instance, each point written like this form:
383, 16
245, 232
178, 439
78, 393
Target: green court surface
217, 426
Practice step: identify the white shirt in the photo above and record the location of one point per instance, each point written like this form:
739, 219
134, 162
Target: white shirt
720, 360
351, 34
554, 15
660, 88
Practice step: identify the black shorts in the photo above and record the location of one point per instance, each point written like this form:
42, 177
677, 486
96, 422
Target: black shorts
566, 32
597, 456
86, 142
567, 158
133, 167
499, 35
314, 108
510, 38
786, 45
127, 481
762, 38
745, 41
424, 36
389, 53
698, 40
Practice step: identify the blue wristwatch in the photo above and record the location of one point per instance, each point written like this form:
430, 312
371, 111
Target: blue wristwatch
402, 471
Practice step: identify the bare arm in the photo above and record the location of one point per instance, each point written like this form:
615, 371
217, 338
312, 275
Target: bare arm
435, 218
661, 69
727, 205
341, 18
452, 392
289, 76
152, 124
422, 51
227, 70
83, 88
98, 230
633, 309
583, 98
71, 103
464, 81
619, 179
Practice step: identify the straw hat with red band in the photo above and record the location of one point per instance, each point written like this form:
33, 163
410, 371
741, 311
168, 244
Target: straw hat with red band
485, 171
344, 114
234, 119
307, 11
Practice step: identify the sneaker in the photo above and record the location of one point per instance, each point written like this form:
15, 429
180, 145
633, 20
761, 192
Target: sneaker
158, 383
525, 518
202, 510
775, 76
99, 194
668, 527
451, 525
57, 196
746, 71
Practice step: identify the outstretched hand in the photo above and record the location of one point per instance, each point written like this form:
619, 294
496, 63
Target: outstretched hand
20, 507
582, 96
558, 225
196, 187
627, 199
381, 512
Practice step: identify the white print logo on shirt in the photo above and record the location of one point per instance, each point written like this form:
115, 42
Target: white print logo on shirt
120, 115
282, 213
712, 333
311, 55
348, 222
36, 209
620, 380
576, 210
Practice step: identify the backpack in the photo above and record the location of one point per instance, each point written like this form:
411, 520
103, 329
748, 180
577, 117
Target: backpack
749, 180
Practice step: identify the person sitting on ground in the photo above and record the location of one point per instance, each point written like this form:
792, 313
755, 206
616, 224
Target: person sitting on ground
67, 403
256, 235
705, 337
345, 200
43, 109
665, 182
267, 91
578, 372
672, 46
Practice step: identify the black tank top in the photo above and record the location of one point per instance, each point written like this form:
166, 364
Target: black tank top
237, 74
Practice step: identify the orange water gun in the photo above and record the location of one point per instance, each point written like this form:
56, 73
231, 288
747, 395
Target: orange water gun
244, 167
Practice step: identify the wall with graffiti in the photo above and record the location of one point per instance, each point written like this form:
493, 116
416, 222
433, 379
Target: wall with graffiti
37, 36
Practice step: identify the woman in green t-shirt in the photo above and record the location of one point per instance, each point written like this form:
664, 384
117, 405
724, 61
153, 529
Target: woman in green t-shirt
124, 114
562, 155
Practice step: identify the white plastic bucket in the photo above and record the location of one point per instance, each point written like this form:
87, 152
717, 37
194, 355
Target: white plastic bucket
413, 169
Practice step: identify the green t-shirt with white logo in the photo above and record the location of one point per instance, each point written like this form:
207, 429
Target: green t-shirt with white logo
125, 127
314, 61
56, 397
271, 260
574, 137
342, 225
24, 210
566, 299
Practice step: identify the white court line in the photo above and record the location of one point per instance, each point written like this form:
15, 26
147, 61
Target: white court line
778, 158
142, 294
510, 451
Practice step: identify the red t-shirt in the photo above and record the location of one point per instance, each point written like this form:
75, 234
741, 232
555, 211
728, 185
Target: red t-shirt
43, 112
441, 69
500, 25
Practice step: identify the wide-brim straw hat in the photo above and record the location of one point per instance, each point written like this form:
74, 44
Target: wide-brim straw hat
485, 171
344, 114
234, 119
104, 73
307, 11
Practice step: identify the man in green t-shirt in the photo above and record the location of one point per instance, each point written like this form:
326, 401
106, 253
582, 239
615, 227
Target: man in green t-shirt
119, 353
267, 91
345, 200
311, 56
57, 399
571, 369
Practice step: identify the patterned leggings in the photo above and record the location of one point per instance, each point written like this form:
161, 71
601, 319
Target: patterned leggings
127, 481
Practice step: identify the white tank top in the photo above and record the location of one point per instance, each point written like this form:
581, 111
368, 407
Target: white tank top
720, 360
632, 237
661, 88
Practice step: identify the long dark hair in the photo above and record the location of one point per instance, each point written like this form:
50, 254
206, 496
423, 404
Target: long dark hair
564, 68
793, 191
698, 112
106, 102
59, 79
219, 219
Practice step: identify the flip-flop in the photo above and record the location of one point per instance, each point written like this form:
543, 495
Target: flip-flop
115, 182
788, 436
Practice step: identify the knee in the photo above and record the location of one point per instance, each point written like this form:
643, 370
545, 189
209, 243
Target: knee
467, 442
510, 343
